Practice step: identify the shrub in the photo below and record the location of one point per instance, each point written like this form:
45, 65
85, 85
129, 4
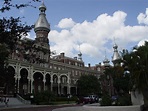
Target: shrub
124, 100
44, 97
106, 100
73, 98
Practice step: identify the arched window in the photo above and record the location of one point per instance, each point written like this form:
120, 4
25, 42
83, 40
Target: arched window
55, 79
63, 79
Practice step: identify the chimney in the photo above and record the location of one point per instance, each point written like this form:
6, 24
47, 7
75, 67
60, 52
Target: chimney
62, 55
75, 58
89, 65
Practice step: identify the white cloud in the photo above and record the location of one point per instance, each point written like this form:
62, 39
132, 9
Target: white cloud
89, 49
29, 35
66, 23
96, 36
22, 11
143, 18
142, 42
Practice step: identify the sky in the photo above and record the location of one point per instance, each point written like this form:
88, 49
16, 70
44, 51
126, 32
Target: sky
90, 26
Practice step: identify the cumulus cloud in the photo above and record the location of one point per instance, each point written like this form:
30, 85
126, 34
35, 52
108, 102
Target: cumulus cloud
94, 37
143, 17
66, 23
29, 35
142, 42
22, 11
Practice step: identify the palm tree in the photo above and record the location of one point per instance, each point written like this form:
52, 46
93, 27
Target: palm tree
137, 62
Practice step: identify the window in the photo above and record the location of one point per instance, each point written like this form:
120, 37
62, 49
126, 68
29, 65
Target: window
55, 79
63, 79
98, 69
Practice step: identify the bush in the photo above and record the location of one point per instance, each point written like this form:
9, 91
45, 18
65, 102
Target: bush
44, 97
73, 98
26, 97
106, 100
124, 100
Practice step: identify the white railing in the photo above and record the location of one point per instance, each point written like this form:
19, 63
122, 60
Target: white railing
22, 99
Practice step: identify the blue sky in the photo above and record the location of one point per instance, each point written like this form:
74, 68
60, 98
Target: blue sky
91, 24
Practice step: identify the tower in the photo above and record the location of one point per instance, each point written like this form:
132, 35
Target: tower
42, 28
106, 62
116, 59
79, 55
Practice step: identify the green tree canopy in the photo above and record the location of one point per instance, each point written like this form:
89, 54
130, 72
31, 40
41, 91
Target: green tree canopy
121, 81
11, 30
88, 84
137, 62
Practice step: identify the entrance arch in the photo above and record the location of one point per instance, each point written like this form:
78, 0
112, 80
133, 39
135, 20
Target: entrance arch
64, 83
23, 81
55, 84
9, 86
38, 82
47, 83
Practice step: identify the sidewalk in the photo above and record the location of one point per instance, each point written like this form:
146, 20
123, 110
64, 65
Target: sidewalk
13, 102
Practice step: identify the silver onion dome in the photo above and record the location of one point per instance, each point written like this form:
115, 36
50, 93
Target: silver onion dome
42, 23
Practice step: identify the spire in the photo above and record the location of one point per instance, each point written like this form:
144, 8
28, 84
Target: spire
42, 23
116, 57
42, 28
42, 8
106, 61
79, 54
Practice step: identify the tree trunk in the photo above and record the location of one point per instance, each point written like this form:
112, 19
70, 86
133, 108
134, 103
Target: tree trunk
145, 97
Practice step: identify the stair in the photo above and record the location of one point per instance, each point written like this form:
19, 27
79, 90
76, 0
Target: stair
15, 102
12, 102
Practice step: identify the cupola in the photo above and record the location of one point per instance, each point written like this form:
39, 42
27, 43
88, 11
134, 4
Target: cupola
116, 59
42, 23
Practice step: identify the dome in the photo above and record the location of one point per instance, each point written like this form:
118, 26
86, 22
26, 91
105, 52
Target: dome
42, 23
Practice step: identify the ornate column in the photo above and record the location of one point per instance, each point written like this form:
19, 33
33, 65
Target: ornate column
15, 77
51, 83
18, 84
68, 85
44, 81
29, 80
59, 85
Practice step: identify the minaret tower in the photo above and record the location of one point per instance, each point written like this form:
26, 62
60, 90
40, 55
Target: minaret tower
79, 55
42, 28
106, 61
116, 59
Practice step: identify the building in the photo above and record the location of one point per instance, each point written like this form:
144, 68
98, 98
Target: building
116, 59
106, 79
32, 69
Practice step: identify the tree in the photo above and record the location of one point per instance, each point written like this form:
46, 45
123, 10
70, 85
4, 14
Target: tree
88, 84
137, 62
11, 30
121, 81
3, 57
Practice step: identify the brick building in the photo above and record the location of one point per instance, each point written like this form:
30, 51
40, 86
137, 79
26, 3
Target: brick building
32, 69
